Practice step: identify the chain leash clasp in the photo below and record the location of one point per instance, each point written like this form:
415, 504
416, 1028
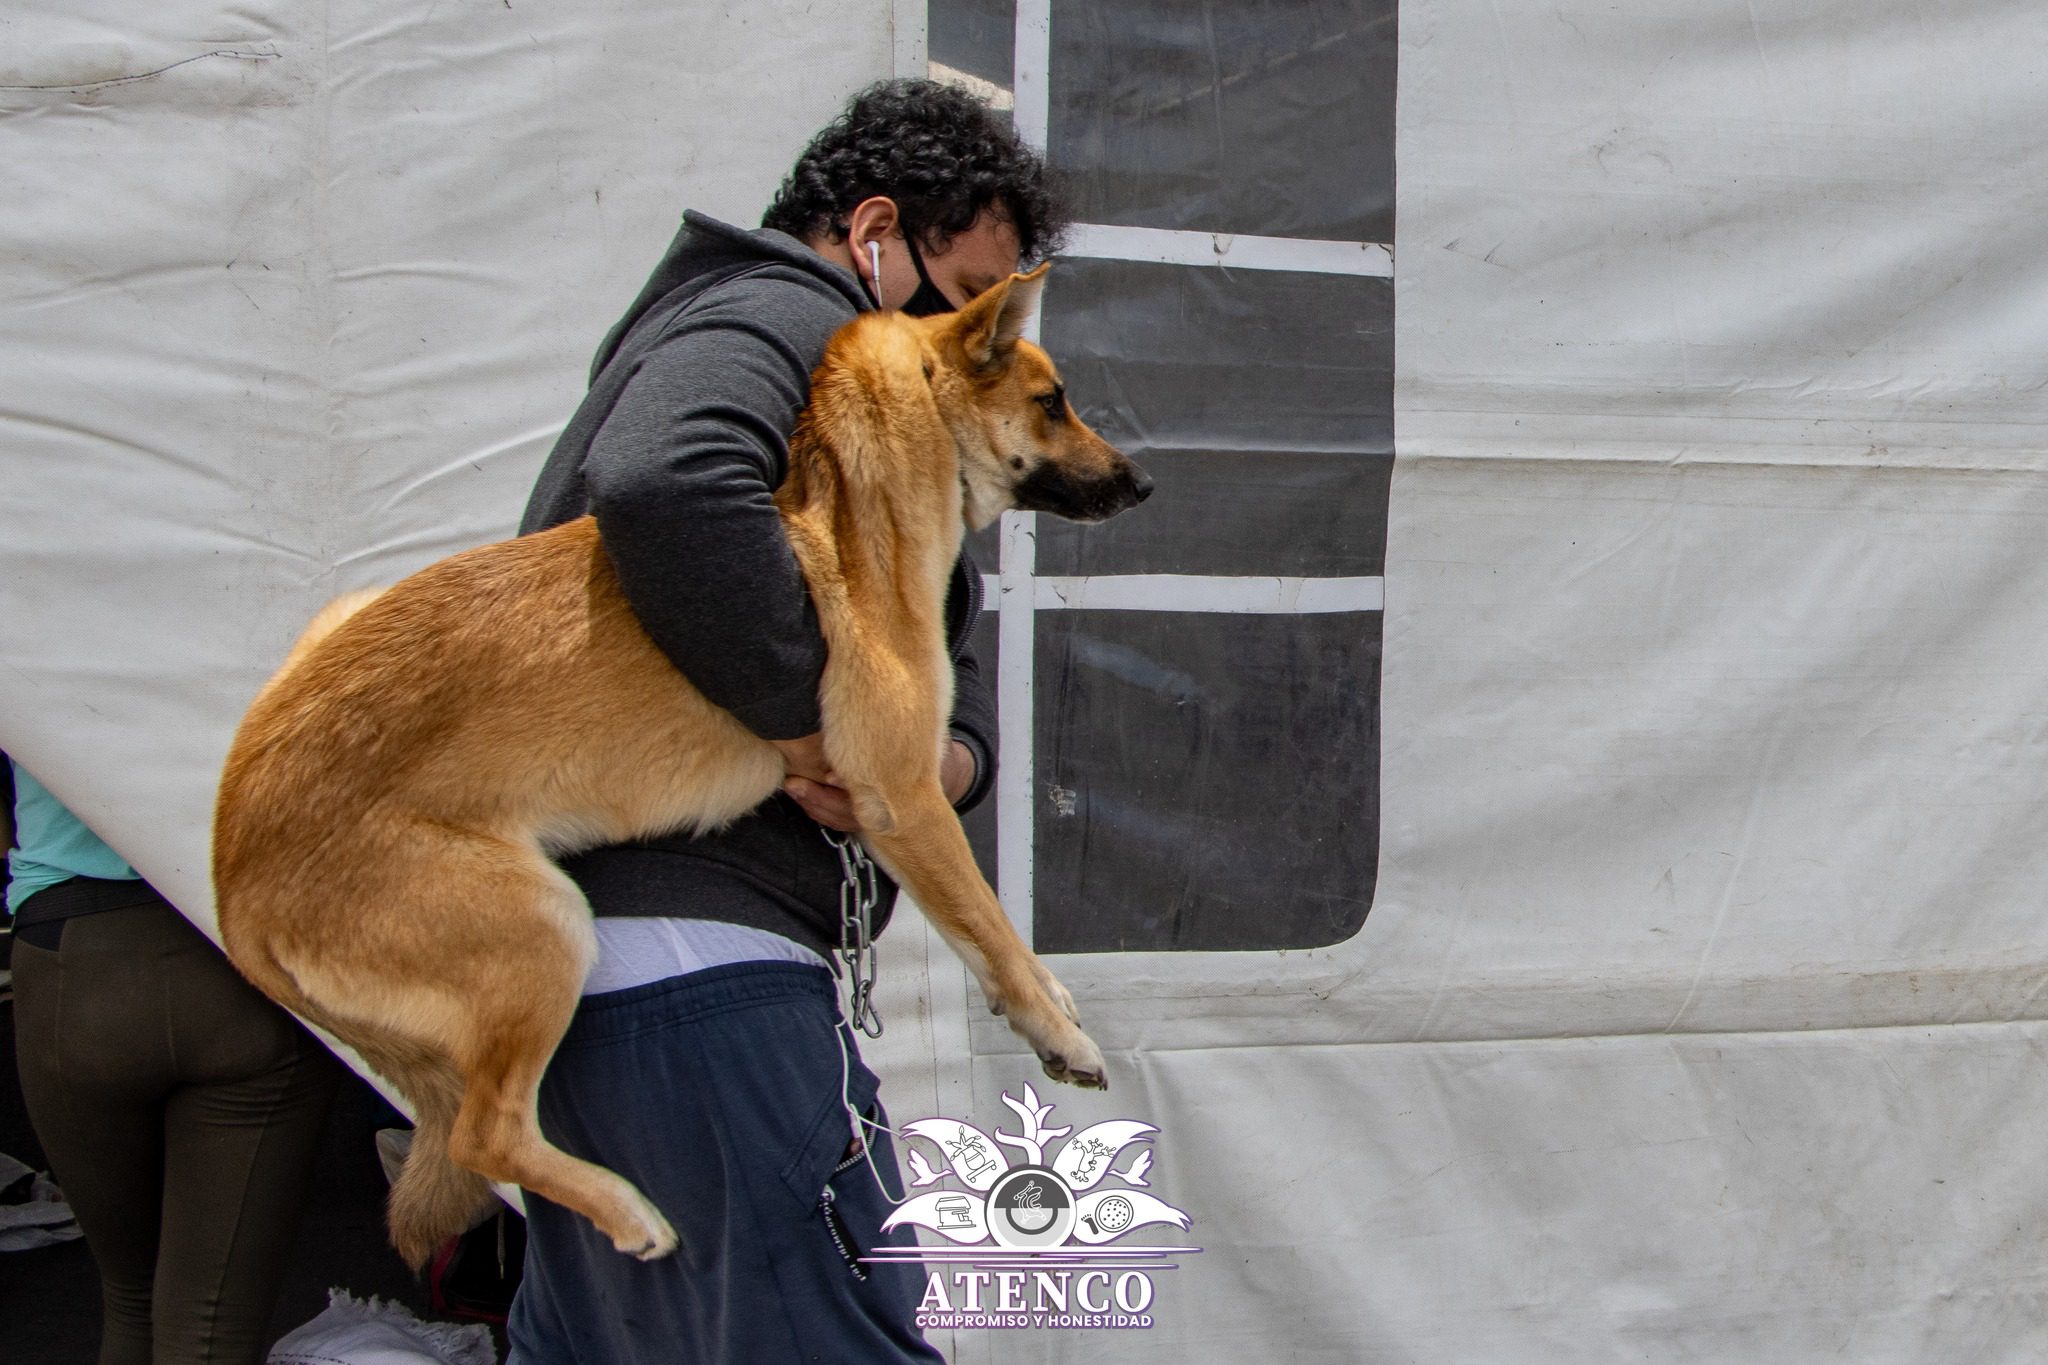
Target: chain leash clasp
860, 891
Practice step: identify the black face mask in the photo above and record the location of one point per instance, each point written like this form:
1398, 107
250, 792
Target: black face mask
927, 300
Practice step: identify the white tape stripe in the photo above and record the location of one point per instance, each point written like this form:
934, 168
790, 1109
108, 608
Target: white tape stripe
1015, 671
1200, 593
1031, 89
1032, 69
909, 32
988, 92
1106, 242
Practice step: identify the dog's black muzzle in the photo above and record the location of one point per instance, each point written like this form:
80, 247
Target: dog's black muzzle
1051, 489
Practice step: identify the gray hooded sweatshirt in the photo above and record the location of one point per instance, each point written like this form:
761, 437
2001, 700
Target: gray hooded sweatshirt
677, 449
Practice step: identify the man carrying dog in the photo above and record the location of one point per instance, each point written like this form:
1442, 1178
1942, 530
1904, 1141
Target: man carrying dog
708, 1063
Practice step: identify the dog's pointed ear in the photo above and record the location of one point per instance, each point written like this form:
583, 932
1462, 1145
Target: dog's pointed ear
990, 326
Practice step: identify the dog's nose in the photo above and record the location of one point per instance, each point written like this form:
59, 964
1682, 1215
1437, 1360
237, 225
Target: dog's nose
1141, 483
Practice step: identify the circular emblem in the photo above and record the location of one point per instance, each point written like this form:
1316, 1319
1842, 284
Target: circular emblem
1114, 1214
1030, 1208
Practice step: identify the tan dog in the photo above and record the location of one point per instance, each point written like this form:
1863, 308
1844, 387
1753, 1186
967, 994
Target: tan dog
391, 802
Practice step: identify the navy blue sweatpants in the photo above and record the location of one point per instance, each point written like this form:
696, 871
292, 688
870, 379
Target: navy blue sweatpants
718, 1095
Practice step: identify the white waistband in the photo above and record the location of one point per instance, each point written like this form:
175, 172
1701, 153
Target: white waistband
632, 951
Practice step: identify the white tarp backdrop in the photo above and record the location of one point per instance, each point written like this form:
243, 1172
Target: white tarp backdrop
296, 300
1699, 1014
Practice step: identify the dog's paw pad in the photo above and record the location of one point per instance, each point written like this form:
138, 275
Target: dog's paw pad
1061, 1070
1080, 1064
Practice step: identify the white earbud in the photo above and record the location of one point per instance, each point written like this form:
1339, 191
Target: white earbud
875, 269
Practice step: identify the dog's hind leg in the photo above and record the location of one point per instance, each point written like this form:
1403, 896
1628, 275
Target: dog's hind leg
526, 987
497, 1133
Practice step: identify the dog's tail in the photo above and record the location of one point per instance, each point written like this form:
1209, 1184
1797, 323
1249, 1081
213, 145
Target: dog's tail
326, 620
433, 1199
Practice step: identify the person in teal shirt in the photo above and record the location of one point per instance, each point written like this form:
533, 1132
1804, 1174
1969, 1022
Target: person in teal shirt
180, 1110
53, 845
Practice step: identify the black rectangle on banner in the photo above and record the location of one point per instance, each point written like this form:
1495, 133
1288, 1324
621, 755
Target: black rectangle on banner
1268, 117
1261, 402
1204, 781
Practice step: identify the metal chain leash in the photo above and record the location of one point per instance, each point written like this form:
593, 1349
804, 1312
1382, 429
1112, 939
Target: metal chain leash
860, 892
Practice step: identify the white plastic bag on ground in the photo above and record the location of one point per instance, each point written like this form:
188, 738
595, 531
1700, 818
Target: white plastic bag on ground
354, 1331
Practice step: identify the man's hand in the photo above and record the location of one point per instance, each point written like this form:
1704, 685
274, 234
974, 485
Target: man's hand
812, 784
806, 758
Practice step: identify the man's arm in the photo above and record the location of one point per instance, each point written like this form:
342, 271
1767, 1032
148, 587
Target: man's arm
681, 478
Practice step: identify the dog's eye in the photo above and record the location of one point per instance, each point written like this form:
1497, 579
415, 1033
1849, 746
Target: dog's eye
1054, 403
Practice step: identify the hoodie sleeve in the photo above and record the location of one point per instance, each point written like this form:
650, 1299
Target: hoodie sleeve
974, 724
973, 721
681, 478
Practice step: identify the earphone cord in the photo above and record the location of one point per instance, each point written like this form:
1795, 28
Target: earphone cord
861, 1121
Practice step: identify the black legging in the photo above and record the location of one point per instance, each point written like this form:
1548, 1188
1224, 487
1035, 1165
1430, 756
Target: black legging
181, 1112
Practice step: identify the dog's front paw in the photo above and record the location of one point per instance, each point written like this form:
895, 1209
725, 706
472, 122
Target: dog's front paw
1041, 1011
649, 1237
1078, 1062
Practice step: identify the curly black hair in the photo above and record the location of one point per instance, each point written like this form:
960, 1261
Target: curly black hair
943, 156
